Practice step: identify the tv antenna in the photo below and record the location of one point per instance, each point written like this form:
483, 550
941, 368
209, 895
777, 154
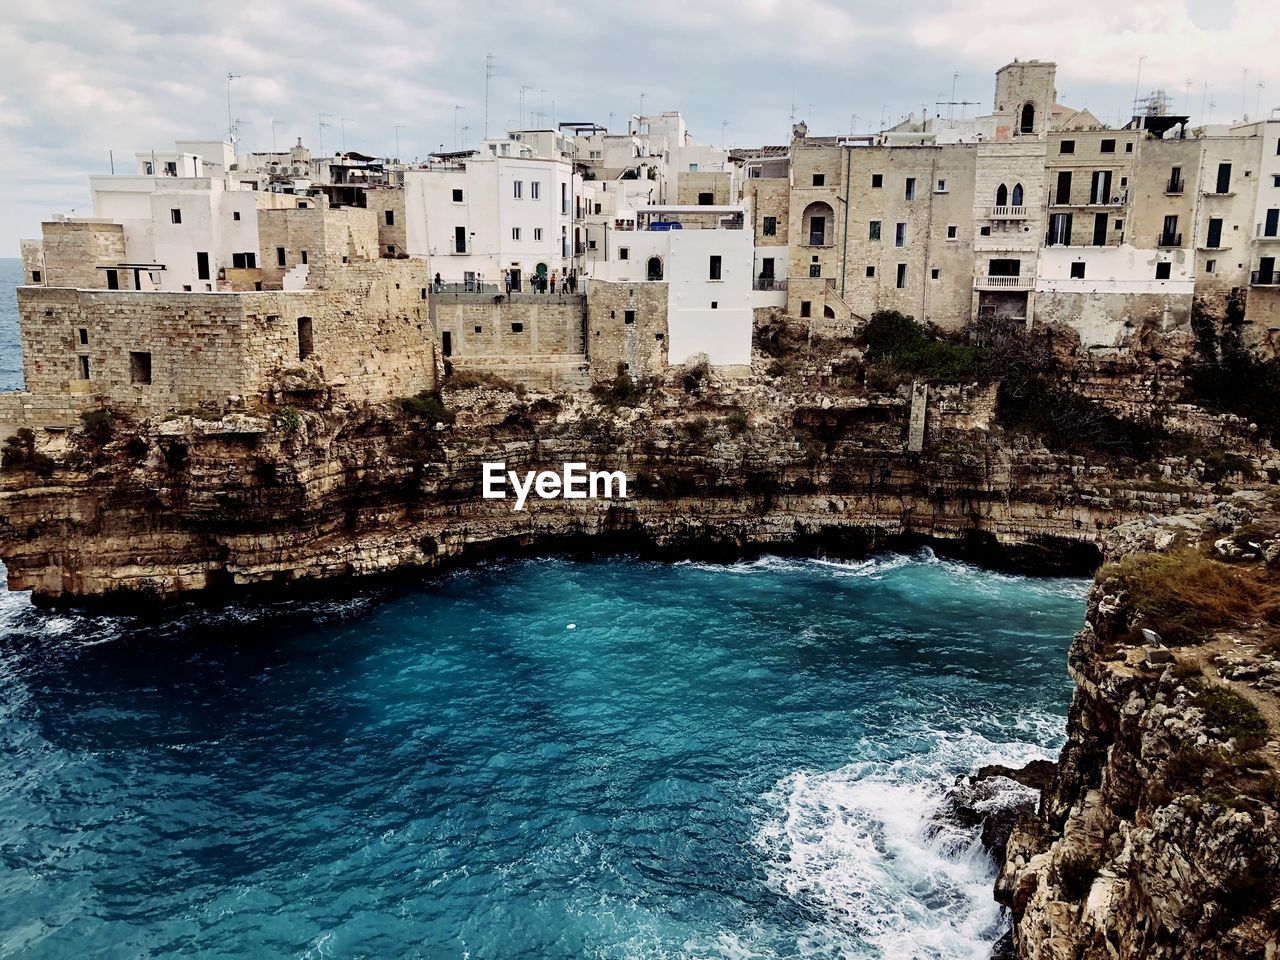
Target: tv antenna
231, 125
489, 64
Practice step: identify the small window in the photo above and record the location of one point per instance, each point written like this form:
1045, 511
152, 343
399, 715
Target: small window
235, 214
1077, 271
1275, 180
715, 304
139, 367
517, 189
819, 179
515, 233
984, 231
306, 342
1119, 224
1163, 270
113, 279
303, 254
935, 274
624, 253
1107, 146
36, 276
942, 186
805, 310
706, 199
535, 189
877, 181
873, 230
815, 270
770, 228
517, 328
900, 235
871, 270
175, 215
1067, 146
423, 291
909, 192
479, 329
202, 266
390, 218
279, 256
713, 267
84, 336
951, 231
537, 233
902, 276
1210, 265
628, 316
1128, 147
84, 368
457, 195
391, 249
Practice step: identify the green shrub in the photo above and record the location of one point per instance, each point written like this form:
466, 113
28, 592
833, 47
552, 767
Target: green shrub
427, 406
1234, 715
473, 379
623, 391
896, 343
1184, 595
287, 420
98, 425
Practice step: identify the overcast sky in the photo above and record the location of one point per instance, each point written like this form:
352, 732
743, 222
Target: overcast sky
80, 78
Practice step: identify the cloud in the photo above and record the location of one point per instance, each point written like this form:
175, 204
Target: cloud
82, 80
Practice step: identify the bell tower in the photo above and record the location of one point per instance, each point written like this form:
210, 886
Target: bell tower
1025, 96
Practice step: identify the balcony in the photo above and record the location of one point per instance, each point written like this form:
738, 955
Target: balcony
1174, 187
1170, 240
1008, 213
1265, 278
769, 283
1003, 283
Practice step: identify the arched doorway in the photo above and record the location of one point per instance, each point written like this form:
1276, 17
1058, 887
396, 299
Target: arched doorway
818, 224
653, 270
540, 278
1028, 124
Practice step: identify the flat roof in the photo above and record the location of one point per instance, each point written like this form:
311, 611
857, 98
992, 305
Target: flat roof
689, 208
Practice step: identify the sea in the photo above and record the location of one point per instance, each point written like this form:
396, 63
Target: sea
10, 346
526, 759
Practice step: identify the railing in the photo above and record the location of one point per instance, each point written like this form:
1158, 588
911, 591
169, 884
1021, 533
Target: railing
1174, 187
1265, 278
817, 241
769, 283
1170, 240
1008, 213
1003, 283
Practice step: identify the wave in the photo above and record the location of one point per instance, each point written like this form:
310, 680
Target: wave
857, 851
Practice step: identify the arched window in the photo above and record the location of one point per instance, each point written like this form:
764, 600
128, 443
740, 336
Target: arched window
653, 271
1017, 194
1002, 196
1028, 118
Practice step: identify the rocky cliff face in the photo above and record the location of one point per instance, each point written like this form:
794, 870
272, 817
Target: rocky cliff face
206, 502
1159, 835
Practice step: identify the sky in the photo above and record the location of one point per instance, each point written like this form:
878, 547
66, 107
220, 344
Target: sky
81, 80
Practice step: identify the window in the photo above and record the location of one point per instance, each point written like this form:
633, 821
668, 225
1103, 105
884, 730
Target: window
815, 270
877, 181
935, 274
84, 336
306, 344
624, 253
1169, 236
1028, 119
1107, 146
1059, 229
517, 189
1077, 271
770, 227
1163, 270
984, 231
871, 270
35, 276
457, 195
424, 293
517, 328
279, 256
951, 232
537, 233
909, 192
237, 261
515, 233
171, 168
628, 316
564, 198
1209, 265
766, 267
902, 276
303, 255
873, 230
806, 309
1002, 195
1017, 195
459, 239
202, 266
1100, 187
1062, 195
390, 217
819, 179
900, 235
535, 190
1128, 147
235, 214
942, 186
706, 199
175, 215
84, 367
479, 329
715, 304
1272, 225
139, 366
693, 168
1224, 178
713, 267
1275, 180
113, 279
1067, 146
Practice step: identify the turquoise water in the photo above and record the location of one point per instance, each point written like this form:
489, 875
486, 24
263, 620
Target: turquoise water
10, 348
528, 759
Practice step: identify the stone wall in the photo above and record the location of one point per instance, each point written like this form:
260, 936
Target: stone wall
313, 233
641, 344
693, 184
520, 326
74, 250
1107, 319
768, 197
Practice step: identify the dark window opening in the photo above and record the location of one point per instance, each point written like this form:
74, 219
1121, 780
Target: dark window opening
1163, 270
902, 276
202, 266
391, 218
715, 304
235, 214
877, 180
1224, 178
175, 215
1077, 271
713, 271
457, 196
139, 367
815, 270
653, 270
951, 233
517, 328
1067, 146
819, 179
35, 276
805, 309
706, 199
1028, 124
900, 235
1107, 146
1062, 193
628, 316
303, 255
280, 256
1214, 238
871, 270
113, 279
935, 274
446, 344
306, 342
910, 192
84, 336
770, 227
84, 368
873, 230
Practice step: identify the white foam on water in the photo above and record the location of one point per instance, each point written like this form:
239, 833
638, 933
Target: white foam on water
856, 850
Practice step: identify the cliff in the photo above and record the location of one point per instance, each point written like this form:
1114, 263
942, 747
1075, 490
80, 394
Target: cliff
1159, 834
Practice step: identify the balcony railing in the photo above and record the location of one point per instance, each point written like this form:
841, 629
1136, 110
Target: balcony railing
1008, 213
1265, 278
1174, 187
1003, 283
769, 283
1170, 240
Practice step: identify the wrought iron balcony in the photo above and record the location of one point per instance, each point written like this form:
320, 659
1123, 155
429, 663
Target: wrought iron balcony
1265, 278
